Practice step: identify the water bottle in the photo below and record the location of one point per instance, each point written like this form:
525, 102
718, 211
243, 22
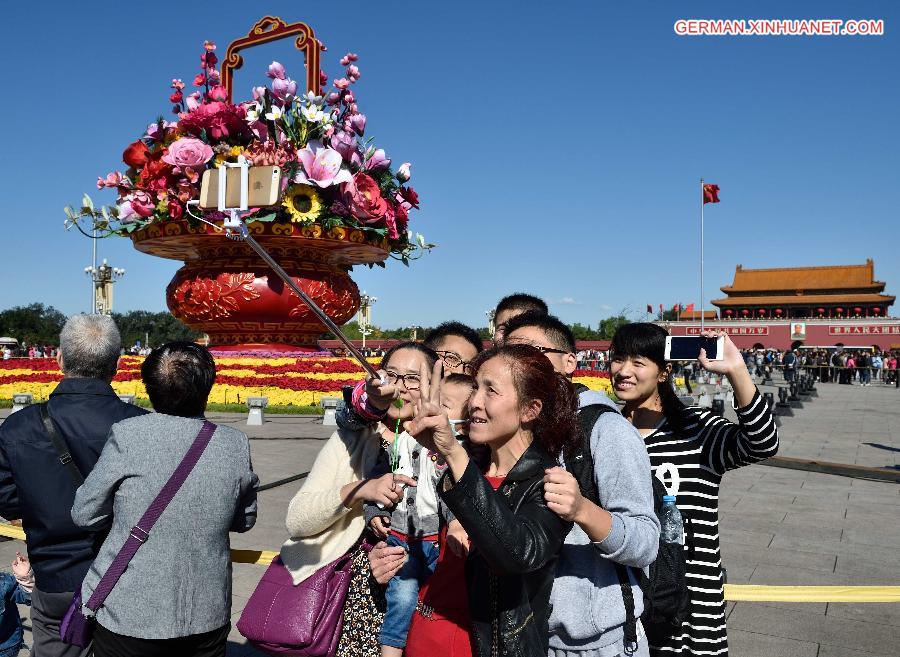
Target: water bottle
672, 530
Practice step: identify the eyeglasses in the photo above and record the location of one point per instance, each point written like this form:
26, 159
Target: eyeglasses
543, 350
452, 359
410, 381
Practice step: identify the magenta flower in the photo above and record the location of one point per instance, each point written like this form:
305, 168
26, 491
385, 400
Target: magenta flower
342, 83
187, 152
344, 143
358, 121
218, 94
142, 204
321, 167
353, 72
284, 89
259, 93
276, 71
113, 179
377, 160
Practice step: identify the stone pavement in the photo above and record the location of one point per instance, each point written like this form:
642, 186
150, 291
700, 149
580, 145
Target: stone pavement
778, 526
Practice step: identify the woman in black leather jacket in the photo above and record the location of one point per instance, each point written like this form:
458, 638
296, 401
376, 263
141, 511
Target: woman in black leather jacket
525, 413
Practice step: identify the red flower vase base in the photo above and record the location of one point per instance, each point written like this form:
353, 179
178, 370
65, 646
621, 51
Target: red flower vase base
226, 291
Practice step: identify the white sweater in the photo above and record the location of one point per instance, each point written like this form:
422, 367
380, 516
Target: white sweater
321, 527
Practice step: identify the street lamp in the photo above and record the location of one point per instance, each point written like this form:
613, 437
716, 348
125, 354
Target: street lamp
490, 315
103, 278
364, 316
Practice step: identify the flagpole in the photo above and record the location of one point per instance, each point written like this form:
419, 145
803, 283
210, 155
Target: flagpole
701, 257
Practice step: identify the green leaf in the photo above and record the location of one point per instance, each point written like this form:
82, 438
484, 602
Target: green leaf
266, 218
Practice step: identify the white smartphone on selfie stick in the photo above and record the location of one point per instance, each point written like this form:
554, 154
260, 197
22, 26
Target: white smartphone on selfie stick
687, 347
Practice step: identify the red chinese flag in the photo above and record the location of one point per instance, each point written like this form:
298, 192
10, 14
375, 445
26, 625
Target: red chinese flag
675, 308
690, 307
649, 308
710, 194
660, 307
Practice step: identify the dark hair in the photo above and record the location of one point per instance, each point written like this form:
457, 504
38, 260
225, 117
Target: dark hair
649, 341
459, 378
430, 356
178, 377
555, 429
558, 333
523, 302
467, 333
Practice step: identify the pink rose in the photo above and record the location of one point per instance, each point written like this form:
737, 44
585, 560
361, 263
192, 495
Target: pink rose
142, 204
188, 152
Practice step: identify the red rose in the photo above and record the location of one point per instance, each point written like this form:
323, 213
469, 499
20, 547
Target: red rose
175, 209
409, 195
362, 197
136, 154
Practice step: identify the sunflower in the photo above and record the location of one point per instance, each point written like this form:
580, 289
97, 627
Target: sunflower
302, 203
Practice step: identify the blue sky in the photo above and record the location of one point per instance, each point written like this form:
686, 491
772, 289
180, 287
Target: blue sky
556, 152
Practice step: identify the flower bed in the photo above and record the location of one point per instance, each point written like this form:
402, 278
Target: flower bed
285, 381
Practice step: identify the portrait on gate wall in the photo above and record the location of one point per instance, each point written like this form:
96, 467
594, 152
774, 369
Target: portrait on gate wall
798, 331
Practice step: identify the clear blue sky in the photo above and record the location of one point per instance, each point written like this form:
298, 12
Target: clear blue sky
557, 149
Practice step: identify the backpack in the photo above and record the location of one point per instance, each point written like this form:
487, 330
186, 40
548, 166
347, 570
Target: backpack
665, 589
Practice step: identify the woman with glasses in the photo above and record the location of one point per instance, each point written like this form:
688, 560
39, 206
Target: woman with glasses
326, 517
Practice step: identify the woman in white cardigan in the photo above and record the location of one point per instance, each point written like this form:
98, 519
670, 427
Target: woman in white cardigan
325, 518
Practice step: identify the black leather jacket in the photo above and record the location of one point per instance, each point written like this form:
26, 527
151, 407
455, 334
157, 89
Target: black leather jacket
516, 540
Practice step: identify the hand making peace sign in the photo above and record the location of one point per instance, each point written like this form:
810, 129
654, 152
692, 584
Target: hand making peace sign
431, 426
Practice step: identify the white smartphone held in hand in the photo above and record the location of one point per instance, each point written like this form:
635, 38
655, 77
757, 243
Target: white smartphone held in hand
687, 347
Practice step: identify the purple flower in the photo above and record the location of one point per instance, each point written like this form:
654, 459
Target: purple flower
358, 121
322, 167
276, 71
284, 88
377, 160
333, 98
344, 143
259, 93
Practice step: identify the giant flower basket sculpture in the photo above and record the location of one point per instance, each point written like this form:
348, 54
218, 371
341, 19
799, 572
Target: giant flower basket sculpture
342, 202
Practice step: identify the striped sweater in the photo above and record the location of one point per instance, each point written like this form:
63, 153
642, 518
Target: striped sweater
690, 463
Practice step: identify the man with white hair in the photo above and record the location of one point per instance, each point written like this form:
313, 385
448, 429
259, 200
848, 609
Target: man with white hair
37, 478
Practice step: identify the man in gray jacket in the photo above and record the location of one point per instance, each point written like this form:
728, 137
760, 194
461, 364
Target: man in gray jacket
588, 616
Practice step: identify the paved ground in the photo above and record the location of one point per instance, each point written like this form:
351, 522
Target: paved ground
777, 526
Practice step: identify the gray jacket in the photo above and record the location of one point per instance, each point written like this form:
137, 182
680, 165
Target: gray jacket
588, 610
179, 582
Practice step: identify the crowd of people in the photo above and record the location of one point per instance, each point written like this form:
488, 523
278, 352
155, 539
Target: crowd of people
486, 505
839, 365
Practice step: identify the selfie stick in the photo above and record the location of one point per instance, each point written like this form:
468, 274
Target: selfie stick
237, 229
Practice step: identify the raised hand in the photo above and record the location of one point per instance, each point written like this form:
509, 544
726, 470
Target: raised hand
731, 361
381, 396
431, 426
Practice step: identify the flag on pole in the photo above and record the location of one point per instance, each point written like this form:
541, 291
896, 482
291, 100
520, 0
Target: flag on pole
710, 194
690, 307
660, 308
676, 307
649, 308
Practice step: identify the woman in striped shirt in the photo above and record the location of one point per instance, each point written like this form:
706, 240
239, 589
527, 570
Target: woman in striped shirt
690, 450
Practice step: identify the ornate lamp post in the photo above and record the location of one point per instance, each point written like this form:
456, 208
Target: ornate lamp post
364, 316
490, 315
103, 278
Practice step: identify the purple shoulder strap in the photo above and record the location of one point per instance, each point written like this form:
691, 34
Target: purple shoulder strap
141, 531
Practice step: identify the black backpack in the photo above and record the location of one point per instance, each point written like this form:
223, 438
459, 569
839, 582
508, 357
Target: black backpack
665, 590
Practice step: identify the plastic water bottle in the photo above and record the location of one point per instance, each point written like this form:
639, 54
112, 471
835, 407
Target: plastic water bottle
672, 530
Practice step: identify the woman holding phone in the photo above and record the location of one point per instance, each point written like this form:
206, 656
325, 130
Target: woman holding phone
525, 413
690, 451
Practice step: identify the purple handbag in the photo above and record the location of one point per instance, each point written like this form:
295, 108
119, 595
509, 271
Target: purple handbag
76, 629
303, 620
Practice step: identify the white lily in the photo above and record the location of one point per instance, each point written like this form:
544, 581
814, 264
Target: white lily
275, 114
313, 114
253, 112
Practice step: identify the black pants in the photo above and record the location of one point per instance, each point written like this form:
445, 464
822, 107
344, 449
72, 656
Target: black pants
47, 610
208, 644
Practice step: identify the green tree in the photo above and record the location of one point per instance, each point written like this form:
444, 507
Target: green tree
610, 325
32, 324
161, 327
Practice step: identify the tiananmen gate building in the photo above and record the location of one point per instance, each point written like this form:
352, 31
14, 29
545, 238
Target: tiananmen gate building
802, 306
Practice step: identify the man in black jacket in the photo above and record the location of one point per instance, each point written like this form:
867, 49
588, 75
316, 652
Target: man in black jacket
38, 488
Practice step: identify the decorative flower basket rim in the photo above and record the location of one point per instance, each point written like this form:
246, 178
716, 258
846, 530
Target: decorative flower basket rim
338, 238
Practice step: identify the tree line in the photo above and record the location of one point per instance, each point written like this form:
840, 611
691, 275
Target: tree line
39, 324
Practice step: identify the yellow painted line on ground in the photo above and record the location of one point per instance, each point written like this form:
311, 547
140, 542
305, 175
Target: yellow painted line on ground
733, 592
760, 593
